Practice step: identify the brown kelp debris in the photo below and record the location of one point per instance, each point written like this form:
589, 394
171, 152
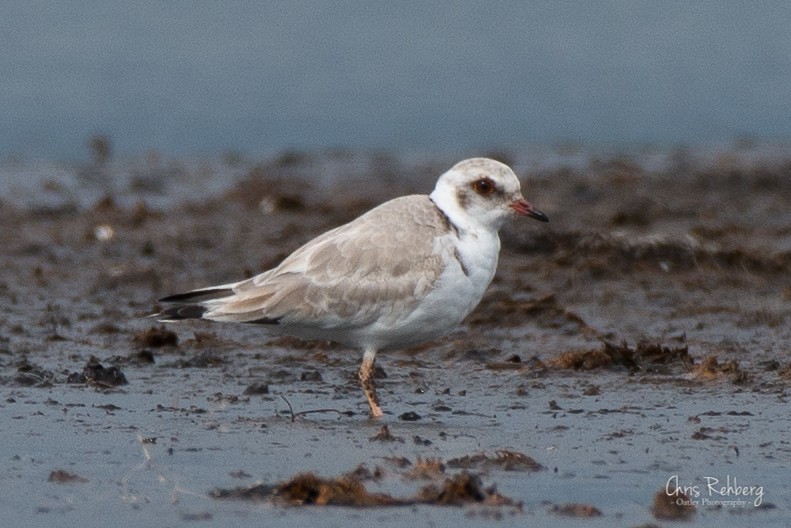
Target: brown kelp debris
605, 254
710, 433
461, 489
309, 489
575, 510
348, 490
155, 337
729, 175
640, 211
426, 469
510, 312
650, 357
617, 170
256, 388
644, 356
204, 340
363, 473
255, 492
295, 343
204, 359
31, 375
97, 375
605, 357
61, 476
265, 189
144, 356
711, 368
311, 375
398, 462
384, 435
673, 505
503, 459
512, 362
784, 372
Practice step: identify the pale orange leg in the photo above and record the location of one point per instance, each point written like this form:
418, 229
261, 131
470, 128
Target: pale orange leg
367, 382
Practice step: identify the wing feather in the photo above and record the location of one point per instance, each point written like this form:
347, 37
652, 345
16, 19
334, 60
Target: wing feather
374, 267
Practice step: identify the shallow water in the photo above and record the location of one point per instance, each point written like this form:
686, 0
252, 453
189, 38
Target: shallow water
695, 260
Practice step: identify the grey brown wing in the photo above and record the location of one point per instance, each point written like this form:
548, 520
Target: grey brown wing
349, 277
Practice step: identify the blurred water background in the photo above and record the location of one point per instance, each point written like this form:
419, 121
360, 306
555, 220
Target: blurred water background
189, 78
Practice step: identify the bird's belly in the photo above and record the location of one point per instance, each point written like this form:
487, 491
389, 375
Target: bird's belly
445, 306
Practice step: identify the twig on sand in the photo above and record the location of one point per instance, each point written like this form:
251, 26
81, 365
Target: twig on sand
312, 411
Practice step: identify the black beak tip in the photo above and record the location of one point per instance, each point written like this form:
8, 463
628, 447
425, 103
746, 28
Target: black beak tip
538, 215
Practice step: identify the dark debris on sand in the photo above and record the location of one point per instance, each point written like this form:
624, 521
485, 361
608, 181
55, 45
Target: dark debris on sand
60, 476
31, 375
156, 337
307, 489
644, 356
348, 490
204, 359
384, 435
711, 368
97, 375
503, 459
655, 358
575, 510
673, 505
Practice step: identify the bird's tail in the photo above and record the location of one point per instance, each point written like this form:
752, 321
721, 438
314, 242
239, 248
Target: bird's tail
189, 305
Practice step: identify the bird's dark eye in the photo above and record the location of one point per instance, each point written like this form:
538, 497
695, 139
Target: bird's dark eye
483, 186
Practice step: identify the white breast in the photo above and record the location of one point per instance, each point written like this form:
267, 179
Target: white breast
471, 262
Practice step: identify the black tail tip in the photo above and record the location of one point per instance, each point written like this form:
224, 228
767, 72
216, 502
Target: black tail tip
197, 295
177, 313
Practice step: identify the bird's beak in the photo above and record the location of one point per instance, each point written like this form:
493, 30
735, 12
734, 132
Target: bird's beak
524, 208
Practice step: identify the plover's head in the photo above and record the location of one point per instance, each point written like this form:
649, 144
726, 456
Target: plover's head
482, 191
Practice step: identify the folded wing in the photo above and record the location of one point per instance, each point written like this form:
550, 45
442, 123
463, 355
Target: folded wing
370, 269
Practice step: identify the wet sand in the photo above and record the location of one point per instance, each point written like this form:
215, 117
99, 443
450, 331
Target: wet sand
638, 342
